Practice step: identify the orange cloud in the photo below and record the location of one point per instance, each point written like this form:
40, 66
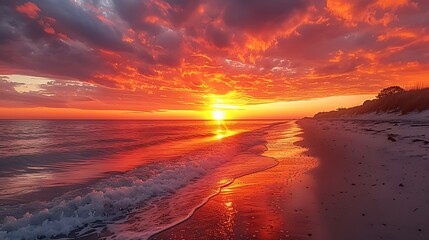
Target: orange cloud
108, 57
371, 12
30, 9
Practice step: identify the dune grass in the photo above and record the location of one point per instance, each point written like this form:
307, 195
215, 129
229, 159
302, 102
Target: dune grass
414, 100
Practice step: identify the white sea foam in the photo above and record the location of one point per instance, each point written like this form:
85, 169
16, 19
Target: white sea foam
114, 198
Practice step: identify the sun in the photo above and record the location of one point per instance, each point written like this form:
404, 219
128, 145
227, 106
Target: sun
218, 115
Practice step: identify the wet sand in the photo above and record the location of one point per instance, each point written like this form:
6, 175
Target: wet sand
342, 180
272, 204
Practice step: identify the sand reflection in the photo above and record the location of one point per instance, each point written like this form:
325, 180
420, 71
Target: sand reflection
264, 205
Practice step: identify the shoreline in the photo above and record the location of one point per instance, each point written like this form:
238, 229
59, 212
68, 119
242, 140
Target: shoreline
337, 179
208, 199
253, 206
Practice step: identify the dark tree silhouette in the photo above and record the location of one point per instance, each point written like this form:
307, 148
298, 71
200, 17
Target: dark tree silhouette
390, 91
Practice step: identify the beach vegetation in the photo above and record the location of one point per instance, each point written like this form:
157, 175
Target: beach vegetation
386, 92
389, 100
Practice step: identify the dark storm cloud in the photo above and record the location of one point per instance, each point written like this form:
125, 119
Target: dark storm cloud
135, 11
341, 67
218, 37
27, 46
14, 25
52, 57
82, 24
181, 10
171, 44
415, 53
256, 15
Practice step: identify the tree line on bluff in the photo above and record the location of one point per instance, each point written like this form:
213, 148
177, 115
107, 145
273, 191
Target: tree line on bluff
390, 100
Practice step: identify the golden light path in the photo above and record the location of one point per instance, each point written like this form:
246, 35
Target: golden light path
219, 115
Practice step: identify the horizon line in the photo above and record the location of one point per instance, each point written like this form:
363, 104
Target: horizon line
110, 119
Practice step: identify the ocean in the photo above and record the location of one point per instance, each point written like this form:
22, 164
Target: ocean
119, 179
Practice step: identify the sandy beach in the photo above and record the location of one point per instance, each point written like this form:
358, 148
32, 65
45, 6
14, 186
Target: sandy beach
372, 179
271, 204
336, 179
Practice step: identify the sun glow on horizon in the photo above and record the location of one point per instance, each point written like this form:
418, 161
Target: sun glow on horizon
218, 115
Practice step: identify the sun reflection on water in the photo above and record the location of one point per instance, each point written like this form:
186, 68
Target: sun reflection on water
222, 130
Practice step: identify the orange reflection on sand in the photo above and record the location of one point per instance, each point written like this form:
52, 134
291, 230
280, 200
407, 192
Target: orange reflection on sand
229, 216
259, 199
224, 182
262, 205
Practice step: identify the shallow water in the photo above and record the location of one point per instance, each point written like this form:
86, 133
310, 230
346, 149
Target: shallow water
120, 179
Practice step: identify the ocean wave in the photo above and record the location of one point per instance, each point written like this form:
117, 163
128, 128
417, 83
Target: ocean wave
117, 197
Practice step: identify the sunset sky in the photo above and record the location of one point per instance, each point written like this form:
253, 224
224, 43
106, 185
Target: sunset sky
179, 59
